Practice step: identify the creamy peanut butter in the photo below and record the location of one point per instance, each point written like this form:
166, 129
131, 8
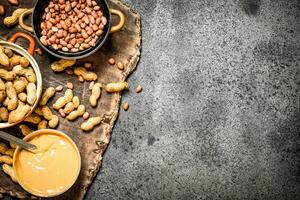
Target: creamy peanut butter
52, 169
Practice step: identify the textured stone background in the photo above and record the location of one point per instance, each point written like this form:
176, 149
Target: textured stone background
220, 114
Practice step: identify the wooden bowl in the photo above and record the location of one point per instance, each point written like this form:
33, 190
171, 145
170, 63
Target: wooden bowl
21, 51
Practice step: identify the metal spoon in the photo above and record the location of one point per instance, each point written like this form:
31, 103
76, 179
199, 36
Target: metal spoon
17, 141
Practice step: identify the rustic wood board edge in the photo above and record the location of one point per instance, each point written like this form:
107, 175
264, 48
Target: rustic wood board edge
132, 63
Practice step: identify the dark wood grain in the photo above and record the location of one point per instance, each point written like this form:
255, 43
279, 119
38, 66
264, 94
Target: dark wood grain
124, 46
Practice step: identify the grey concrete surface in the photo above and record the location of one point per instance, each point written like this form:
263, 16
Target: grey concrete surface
219, 117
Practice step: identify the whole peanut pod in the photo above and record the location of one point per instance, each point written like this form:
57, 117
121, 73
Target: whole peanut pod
31, 93
96, 93
42, 125
18, 114
3, 114
69, 108
25, 130
47, 113
10, 171
13, 19
62, 101
76, 113
116, 87
53, 122
47, 95
61, 65
12, 96
91, 123
4, 59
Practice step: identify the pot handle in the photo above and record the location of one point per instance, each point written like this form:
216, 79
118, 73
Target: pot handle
121, 22
30, 39
22, 23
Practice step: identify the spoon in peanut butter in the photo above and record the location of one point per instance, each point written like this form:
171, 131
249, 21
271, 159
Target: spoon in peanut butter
17, 141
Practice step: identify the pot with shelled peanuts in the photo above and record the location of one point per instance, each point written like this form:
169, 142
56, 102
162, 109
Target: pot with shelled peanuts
73, 29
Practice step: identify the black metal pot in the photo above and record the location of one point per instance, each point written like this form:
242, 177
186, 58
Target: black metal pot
108, 28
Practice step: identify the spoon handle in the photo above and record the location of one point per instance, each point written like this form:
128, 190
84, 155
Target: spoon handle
17, 141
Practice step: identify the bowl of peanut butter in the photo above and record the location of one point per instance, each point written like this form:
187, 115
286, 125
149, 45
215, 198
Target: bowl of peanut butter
52, 168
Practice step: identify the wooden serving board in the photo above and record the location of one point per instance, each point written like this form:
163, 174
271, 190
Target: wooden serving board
123, 46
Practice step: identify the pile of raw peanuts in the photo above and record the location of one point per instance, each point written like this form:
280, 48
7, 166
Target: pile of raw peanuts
73, 25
